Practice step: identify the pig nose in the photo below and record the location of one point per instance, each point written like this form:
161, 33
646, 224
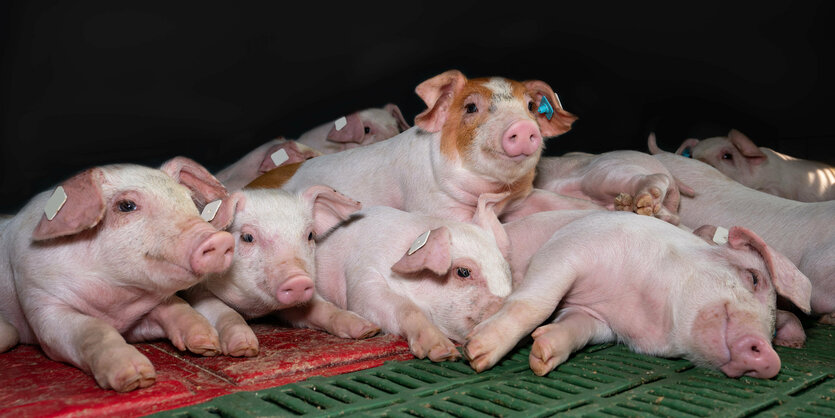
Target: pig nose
296, 290
214, 254
521, 138
752, 356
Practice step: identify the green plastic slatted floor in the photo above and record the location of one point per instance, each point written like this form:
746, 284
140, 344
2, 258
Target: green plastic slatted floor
603, 380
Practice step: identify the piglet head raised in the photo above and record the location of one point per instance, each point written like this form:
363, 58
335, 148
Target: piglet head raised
368, 126
729, 317
491, 125
143, 223
461, 261
275, 232
734, 155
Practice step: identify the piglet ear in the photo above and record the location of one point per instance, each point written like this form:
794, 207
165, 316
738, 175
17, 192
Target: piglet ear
561, 121
329, 207
485, 216
438, 93
434, 255
204, 187
293, 153
352, 131
746, 147
394, 111
712, 234
687, 144
788, 280
83, 208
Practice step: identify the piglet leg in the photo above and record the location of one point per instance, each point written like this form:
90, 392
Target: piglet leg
571, 331
175, 319
9, 336
789, 330
236, 337
93, 346
323, 315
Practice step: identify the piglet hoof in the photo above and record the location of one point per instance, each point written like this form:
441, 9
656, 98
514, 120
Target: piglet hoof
828, 319
346, 324
483, 348
239, 341
432, 343
123, 369
547, 351
202, 339
648, 202
8, 336
623, 202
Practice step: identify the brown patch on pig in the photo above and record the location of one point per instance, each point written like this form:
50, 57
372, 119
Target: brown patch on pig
455, 138
275, 178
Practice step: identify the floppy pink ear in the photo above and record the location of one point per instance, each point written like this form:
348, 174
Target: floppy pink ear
433, 256
788, 280
688, 143
329, 207
746, 147
204, 187
83, 209
561, 121
296, 153
353, 131
394, 111
438, 93
706, 232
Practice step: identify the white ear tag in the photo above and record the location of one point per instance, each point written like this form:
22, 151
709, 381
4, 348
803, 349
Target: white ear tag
210, 210
55, 202
720, 236
419, 242
340, 123
279, 157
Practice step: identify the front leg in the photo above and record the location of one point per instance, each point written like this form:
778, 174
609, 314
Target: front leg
540, 200
323, 315
236, 336
176, 320
90, 344
572, 330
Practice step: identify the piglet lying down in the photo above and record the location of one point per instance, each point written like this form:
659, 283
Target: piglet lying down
615, 276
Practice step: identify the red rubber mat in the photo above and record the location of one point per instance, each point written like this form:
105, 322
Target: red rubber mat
32, 385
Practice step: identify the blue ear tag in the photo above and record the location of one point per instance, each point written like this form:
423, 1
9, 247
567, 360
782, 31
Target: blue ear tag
545, 107
686, 153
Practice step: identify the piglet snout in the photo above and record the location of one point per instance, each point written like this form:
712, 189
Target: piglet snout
752, 356
214, 254
522, 138
296, 290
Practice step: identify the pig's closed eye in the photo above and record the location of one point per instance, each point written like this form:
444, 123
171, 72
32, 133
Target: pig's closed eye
247, 237
471, 108
127, 206
367, 130
463, 272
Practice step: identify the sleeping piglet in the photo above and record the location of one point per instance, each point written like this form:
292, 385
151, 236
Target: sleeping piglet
84, 277
274, 268
664, 291
425, 278
762, 168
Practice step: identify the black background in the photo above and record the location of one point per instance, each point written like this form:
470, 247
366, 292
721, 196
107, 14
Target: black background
98, 82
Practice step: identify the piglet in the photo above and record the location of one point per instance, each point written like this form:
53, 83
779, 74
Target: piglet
425, 278
618, 180
762, 168
364, 127
83, 278
274, 268
802, 231
266, 157
476, 136
664, 291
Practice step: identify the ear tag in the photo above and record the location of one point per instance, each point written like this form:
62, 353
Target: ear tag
545, 107
419, 242
210, 210
55, 203
720, 236
279, 157
686, 153
340, 123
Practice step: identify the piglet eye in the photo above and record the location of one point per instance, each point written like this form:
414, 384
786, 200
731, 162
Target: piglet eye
367, 130
754, 279
530, 106
310, 236
463, 272
727, 156
247, 237
471, 108
127, 206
